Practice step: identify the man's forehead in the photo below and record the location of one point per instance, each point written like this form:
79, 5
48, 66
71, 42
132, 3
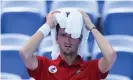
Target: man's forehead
62, 30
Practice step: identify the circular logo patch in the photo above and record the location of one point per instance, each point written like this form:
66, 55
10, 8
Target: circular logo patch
52, 69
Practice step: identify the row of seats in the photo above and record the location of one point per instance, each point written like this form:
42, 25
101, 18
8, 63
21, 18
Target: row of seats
23, 17
20, 20
26, 17
11, 61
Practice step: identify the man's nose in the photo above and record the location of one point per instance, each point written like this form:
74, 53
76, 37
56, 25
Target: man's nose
69, 38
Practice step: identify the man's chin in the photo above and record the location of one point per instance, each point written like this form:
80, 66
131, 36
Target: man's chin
68, 52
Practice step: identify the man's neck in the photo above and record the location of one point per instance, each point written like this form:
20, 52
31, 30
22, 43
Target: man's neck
69, 59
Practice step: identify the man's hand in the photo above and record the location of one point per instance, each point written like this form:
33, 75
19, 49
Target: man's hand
109, 54
87, 20
50, 20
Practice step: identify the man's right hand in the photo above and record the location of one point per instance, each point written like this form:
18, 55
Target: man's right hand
50, 19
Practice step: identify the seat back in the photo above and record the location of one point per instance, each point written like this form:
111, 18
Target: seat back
117, 18
10, 58
23, 17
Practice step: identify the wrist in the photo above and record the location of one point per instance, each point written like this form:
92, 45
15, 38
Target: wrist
92, 29
44, 29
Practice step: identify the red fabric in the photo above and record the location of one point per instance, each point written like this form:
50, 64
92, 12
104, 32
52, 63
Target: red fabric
78, 71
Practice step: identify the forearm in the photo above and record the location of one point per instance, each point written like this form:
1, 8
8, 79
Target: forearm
109, 55
105, 47
29, 49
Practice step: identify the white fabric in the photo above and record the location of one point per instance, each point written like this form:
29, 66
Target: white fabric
45, 29
73, 25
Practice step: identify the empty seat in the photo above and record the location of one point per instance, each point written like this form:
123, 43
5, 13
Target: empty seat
12, 63
23, 17
118, 17
10, 58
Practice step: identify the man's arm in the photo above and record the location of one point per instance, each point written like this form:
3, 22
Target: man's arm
27, 52
109, 54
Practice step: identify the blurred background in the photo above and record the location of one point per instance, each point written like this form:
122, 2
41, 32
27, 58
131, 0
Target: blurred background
20, 19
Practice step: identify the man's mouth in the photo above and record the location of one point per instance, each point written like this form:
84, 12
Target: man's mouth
67, 46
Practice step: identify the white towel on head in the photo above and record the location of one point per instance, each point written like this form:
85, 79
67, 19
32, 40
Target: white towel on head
73, 25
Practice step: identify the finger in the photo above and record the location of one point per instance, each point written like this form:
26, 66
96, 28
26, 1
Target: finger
55, 12
52, 12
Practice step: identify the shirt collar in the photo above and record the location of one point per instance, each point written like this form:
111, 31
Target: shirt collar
61, 62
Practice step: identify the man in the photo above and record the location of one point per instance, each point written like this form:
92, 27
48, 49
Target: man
69, 65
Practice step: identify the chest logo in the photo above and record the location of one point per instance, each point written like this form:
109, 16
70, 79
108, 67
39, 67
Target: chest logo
78, 72
52, 69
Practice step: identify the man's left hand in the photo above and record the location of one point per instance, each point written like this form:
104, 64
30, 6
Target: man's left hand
87, 20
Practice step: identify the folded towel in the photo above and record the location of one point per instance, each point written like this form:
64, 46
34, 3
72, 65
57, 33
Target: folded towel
73, 25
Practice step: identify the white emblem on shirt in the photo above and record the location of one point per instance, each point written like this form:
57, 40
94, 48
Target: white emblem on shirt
52, 69
78, 72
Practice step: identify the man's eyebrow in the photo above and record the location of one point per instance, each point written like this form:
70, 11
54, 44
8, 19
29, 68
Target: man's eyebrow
62, 33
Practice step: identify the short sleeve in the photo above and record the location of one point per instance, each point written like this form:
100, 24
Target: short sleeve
38, 71
103, 76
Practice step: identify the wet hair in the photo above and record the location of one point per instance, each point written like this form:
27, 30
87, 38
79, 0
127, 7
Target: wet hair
57, 29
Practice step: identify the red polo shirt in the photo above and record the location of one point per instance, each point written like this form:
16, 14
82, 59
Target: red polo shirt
60, 70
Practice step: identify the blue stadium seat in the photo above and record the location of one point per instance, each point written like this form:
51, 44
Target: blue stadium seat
12, 63
9, 76
117, 17
21, 22
119, 23
23, 17
90, 7
117, 77
10, 59
122, 44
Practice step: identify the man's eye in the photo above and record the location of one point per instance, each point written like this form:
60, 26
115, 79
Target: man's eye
63, 35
